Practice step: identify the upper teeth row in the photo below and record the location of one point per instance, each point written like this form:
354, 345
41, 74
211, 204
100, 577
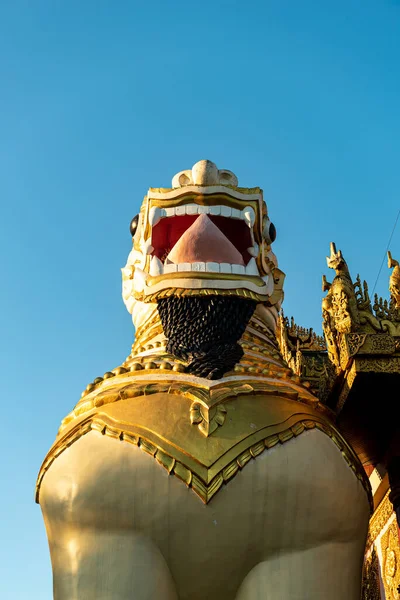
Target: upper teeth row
158, 268
157, 213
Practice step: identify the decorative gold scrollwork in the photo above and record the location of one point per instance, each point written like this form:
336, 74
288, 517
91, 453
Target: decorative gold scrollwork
391, 558
379, 519
355, 341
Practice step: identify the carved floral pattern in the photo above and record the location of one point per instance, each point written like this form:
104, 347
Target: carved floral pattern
379, 519
390, 567
355, 341
340, 308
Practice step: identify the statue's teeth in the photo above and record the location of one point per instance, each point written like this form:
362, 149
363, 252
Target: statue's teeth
215, 210
249, 216
191, 209
236, 213
170, 267
253, 250
226, 211
251, 268
156, 213
156, 267
148, 248
201, 267
235, 269
238, 269
225, 268
184, 267
212, 267
198, 266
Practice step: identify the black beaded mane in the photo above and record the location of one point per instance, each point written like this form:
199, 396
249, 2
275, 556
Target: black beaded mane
204, 330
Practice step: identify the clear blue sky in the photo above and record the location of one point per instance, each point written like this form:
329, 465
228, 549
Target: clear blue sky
101, 100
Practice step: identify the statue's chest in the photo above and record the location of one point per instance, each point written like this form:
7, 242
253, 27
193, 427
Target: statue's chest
295, 493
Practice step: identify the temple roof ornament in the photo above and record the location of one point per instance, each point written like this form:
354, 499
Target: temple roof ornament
394, 281
363, 343
362, 349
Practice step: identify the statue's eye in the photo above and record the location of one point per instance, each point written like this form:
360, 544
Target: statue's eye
272, 232
133, 225
269, 231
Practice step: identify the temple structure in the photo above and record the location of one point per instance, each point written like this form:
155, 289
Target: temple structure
354, 370
233, 454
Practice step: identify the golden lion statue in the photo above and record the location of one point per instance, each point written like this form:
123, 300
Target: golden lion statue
202, 467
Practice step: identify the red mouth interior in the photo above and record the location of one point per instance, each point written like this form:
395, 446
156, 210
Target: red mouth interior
169, 230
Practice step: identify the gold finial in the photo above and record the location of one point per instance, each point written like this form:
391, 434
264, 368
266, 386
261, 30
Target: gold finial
394, 281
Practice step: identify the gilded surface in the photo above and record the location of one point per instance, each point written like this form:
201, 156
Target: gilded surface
305, 353
371, 583
391, 562
359, 337
294, 340
152, 380
394, 282
340, 302
351, 310
207, 420
388, 571
202, 468
354, 342
379, 365
152, 402
182, 291
379, 519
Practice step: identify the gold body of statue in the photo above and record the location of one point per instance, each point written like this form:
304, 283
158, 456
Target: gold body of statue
203, 467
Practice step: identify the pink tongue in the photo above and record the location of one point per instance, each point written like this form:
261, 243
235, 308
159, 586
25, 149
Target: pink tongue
204, 242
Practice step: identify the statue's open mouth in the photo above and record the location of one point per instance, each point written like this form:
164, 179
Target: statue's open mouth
209, 239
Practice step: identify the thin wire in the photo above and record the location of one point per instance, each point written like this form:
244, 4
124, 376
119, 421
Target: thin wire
387, 248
